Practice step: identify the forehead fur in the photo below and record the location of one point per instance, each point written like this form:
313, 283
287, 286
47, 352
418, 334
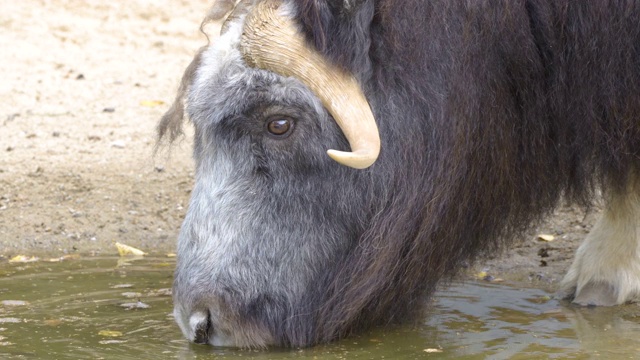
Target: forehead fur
223, 84
218, 83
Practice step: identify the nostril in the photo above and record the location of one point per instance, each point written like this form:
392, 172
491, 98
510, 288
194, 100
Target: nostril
200, 322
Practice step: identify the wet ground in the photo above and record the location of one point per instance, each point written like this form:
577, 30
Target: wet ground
110, 308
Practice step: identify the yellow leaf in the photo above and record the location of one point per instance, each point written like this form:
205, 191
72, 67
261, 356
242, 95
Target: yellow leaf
23, 259
65, 257
110, 333
545, 237
125, 250
151, 103
171, 255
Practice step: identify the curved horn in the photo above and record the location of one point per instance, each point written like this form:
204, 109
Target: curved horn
272, 42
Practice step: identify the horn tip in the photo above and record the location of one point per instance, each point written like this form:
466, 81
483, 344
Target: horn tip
358, 160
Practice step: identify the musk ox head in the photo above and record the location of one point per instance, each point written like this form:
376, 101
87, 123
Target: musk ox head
273, 221
284, 246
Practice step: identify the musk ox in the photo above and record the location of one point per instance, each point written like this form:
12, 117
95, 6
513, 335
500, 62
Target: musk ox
454, 126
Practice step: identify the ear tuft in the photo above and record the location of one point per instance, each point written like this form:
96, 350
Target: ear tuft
171, 122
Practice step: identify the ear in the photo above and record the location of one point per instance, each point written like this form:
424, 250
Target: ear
171, 122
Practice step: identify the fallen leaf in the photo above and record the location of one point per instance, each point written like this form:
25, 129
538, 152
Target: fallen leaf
65, 257
23, 259
546, 237
125, 250
110, 333
171, 255
151, 103
431, 350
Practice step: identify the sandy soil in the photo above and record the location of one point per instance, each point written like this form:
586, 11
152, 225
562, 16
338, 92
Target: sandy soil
83, 85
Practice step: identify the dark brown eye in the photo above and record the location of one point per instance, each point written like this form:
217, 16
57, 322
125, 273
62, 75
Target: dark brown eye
279, 127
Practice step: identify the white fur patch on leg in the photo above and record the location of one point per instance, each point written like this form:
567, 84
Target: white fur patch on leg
606, 270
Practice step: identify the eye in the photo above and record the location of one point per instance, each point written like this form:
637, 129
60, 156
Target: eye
280, 127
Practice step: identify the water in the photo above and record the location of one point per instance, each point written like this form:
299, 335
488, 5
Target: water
74, 310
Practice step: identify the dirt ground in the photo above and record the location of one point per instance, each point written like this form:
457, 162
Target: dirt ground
83, 85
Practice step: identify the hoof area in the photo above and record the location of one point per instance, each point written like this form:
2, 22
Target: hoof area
596, 294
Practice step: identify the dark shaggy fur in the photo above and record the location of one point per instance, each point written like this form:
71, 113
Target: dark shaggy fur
490, 112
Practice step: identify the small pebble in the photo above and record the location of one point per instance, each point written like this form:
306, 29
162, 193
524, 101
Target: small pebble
122, 286
160, 292
118, 144
131, 294
110, 342
135, 305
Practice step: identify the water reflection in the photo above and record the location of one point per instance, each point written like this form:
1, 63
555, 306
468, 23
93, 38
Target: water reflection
81, 309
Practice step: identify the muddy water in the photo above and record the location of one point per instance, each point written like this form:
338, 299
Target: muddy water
106, 308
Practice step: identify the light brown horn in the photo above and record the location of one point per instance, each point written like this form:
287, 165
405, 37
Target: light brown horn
272, 42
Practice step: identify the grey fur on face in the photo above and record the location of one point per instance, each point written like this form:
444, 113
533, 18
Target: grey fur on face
255, 213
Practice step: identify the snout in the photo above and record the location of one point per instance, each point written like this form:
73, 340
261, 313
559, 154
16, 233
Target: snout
207, 326
197, 327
